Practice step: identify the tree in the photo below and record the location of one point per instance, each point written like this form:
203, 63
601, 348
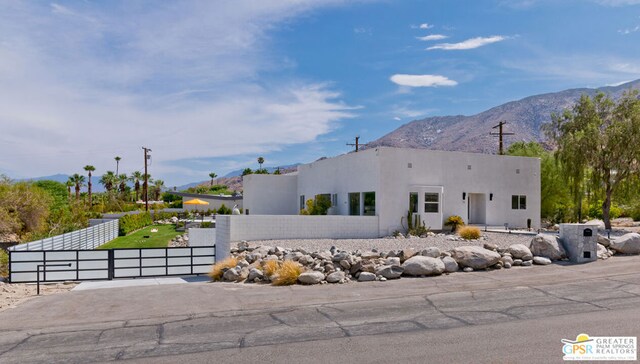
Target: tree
78, 181
89, 169
158, 185
277, 171
122, 183
597, 139
260, 161
118, 159
136, 177
247, 171
212, 175
69, 184
108, 180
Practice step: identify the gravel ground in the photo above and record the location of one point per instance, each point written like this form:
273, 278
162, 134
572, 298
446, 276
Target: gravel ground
386, 244
13, 294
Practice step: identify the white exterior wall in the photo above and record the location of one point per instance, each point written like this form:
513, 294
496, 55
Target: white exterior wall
202, 237
354, 172
268, 194
449, 172
268, 227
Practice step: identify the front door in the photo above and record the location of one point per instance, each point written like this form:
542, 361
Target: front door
477, 209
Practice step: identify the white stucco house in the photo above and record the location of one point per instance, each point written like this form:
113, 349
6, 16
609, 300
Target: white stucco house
386, 182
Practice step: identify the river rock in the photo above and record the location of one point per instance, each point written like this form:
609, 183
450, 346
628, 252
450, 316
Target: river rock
432, 252
627, 244
370, 255
311, 277
475, 257
526, 263
467, 269
392, 261
541, 260
254, 274
390, 271
507, 259
450, 265
423, 266
366, 277
335, 277
405, 254
549, 246
340, 256
520, 251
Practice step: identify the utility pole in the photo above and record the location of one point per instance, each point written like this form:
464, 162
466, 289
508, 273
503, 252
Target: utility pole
357, 144
500, 134
146, 179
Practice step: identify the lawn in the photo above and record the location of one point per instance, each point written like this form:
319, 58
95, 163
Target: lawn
159, 239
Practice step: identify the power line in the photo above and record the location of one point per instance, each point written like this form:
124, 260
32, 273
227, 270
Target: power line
500, 134
146, 178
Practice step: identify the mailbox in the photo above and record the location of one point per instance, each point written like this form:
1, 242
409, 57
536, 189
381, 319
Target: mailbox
580, 242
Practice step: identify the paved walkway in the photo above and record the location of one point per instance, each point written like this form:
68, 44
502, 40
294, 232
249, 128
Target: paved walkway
121, 283
516, 315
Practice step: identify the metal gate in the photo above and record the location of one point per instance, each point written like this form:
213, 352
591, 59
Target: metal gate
78, 265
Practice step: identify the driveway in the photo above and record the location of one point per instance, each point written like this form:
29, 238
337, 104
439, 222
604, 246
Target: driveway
516, 315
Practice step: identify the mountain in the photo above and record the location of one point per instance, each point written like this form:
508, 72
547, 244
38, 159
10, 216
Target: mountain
238, 172
471, 133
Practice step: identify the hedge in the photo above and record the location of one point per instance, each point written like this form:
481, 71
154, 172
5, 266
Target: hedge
130, 223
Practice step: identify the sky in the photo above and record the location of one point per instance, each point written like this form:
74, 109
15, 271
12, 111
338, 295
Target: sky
210, 86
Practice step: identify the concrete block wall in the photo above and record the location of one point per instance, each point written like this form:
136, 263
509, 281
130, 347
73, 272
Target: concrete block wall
202, 237
268, 227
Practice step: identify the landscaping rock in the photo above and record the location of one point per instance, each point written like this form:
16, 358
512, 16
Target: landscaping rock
450, 265
598, 223
604, 241
467, 269
526, 263
520, 251
345, 265
370, 255
490, 246
366, 277
423, 266
541, 260
311, 277
603, 252
231, 275
340, 256
432, 252
507, 265
549, 246
392, 261
254, 274
517, 262
389, 271
335, 277
475, 257
406, 254
627, 244
507, 259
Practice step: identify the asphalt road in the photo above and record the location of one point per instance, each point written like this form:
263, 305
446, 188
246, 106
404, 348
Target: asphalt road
516, 315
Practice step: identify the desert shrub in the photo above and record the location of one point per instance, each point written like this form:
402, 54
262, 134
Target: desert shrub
224, 210
4, 263
130, 223
218, 269
206, 225
454, 221
469, 232
287, 274
270, 267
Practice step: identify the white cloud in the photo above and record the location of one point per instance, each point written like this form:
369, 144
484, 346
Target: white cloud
179, 78
629, 30
432, 37
396, 118
469, 43
426, 26
422, 80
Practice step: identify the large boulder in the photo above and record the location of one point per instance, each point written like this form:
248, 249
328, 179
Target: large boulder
475, 257
423, 266
450, 265
603, 253
520, 251
389, 271
598, 223
311, 277
627, 244
335, 277
604, 241
432, 252
549, 246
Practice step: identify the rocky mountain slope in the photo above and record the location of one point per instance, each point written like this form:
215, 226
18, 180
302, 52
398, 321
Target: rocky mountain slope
471, 133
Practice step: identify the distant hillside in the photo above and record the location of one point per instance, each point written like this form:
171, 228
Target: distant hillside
471, 133
233, 181
238, 172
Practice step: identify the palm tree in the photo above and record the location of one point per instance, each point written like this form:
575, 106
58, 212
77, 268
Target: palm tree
158, 185
145, 186
122, 182
212, 175
260, 161
108, 180
78, 181
69, 184
136, 177
89, 169
117, 163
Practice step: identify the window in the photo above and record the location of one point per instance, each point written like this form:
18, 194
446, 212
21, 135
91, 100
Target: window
302, 203
369, 203
518, 202
431, 202
334, 199
413, 202
354, 204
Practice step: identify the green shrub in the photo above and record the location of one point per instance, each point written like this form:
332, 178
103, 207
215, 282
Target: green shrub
206, 225
469, 232
4, 263
317, 206
130, 223
595, 210
163, 215
454, 221
224, 210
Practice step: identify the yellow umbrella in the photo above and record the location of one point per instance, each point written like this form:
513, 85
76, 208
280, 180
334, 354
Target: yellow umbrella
195, 201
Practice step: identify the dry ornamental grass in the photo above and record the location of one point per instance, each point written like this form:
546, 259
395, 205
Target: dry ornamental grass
288, 273
218, 269
469, 232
